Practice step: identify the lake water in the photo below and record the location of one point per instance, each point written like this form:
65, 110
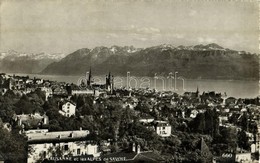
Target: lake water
235, 88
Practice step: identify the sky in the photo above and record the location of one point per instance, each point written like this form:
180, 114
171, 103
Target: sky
63, 26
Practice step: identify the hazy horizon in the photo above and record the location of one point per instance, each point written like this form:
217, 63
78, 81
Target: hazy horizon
63, 26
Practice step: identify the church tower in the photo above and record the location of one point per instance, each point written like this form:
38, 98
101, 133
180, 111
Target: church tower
197, 92
110, 83
89, 77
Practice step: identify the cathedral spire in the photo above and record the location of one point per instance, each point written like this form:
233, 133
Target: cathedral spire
109, 75
89, 76
197, 92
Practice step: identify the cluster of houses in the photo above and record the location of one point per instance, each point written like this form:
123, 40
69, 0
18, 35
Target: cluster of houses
44, 144
24, 85
190, 104
73, 144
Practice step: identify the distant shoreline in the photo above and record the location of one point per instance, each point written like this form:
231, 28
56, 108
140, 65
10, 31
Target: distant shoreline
234, 88
139, 76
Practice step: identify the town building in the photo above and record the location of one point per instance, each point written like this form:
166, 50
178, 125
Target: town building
67, 108
108, 85
243, 157
163, 128
31, 120
38, 81
45, 145
47, 92
146, 119
59, 91
82, 92
133, 154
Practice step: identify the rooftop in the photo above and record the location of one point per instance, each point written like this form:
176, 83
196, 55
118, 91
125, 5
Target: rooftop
129, 156
56, 136
29, 116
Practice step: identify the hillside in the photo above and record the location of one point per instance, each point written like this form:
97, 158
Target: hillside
201, 61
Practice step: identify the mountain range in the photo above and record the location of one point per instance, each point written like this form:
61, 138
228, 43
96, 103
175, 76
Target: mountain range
194, 62
16, 62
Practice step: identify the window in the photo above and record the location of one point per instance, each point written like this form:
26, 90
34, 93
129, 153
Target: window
66, 147
78, 151
163, 128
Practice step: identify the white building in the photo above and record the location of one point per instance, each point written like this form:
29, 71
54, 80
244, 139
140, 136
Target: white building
163, 128
47, 92
146, 120
31, 119
222, 119
194, 113
38, 81
255, 147
82, 92
67, 109
44, 144
243, 157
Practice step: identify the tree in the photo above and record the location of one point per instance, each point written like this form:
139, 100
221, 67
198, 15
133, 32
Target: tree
215, 123
51, 104
13, 145
254, 129
37, 100
242, 140
6, 109
24, 105
40, 94
228, 137
198, 123
126, 119
10, 94
84, 105
211, 122
244, 122
54, 125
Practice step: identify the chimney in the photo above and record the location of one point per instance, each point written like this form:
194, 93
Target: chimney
80, 128
71, 134
133, 147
